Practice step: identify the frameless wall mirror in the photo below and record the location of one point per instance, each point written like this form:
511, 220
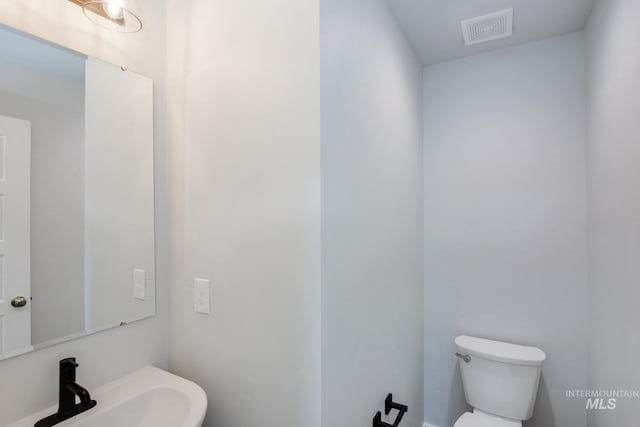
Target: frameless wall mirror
76, 195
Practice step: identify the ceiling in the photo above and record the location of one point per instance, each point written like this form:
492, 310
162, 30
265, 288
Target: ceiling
433, 26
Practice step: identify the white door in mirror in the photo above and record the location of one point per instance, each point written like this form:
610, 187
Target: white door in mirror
15, 239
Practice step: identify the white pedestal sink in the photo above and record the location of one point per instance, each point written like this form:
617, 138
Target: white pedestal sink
149, 397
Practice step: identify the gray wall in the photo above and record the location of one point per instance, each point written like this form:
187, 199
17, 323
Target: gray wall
372, 290
613, 82
244, 81
119, 208
108, 355
505, 224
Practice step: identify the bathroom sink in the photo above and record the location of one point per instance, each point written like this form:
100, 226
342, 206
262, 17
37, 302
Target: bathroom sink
149, 397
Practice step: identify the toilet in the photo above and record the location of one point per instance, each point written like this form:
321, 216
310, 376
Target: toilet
500, 381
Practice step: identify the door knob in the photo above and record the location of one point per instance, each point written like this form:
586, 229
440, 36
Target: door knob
19, 302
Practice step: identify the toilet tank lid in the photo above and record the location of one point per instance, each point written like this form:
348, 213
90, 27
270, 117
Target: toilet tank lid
500, 351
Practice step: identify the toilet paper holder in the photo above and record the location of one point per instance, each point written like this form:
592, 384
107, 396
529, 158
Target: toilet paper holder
389, 404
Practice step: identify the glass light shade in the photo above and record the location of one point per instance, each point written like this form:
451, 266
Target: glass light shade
114, 9
113, 15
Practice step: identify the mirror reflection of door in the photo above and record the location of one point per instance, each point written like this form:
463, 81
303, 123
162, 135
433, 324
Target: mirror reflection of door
15, 241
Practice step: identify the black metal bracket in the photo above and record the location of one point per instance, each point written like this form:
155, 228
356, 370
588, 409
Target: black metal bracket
389, 404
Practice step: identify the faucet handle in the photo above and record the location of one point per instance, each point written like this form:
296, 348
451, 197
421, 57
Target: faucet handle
68, 370
69, 361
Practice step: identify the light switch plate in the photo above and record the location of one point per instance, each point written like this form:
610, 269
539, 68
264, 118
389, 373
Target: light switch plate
139, 284
202, 296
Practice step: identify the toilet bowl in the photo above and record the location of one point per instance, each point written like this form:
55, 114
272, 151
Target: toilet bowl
500, 381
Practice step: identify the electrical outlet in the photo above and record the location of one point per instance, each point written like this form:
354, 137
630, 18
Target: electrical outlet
139, 284
202, 296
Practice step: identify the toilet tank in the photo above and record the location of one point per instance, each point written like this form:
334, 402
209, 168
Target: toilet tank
500, 378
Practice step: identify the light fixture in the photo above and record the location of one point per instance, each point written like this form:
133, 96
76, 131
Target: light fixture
114, 8
111, 14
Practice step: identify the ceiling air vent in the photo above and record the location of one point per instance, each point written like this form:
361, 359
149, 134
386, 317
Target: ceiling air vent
488, 27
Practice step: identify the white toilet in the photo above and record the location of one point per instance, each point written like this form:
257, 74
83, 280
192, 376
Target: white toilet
500, 381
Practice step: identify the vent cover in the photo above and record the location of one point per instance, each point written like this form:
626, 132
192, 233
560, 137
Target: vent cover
488, 27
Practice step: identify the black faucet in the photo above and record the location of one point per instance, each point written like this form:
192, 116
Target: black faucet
68, 390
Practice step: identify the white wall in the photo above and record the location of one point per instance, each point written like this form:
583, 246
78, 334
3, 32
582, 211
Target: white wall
54, 104
613, 82
30, 382
505, 223
245, 135
372, 292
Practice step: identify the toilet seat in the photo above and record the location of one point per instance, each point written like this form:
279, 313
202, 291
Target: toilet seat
476, 419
